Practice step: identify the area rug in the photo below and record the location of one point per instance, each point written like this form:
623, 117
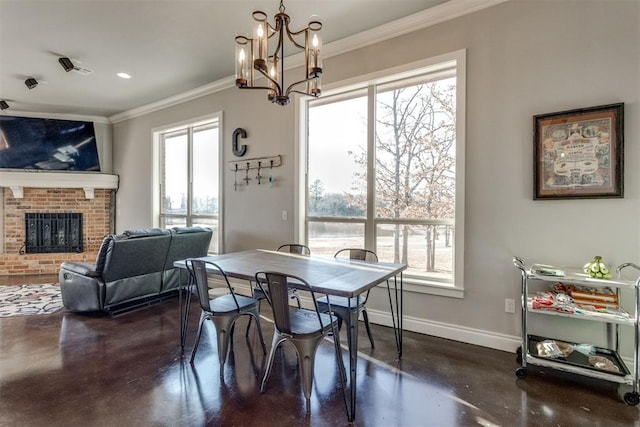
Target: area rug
26, 300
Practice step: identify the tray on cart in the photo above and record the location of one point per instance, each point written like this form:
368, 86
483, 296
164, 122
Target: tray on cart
579, 359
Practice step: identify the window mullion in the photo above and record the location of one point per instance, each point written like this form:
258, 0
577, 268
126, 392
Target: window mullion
162, 171
370, 227
190, 178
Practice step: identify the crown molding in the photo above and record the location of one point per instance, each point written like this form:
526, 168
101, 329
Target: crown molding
198, 92
443, 12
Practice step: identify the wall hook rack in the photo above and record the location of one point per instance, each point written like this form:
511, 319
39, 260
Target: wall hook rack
256, 163
259, 164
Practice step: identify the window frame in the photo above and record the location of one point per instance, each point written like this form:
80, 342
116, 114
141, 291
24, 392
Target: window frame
369, 82
188, 127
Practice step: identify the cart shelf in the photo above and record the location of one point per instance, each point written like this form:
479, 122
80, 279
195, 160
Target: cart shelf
586, 315
578, 277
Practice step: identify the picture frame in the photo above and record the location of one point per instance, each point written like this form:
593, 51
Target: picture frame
578, 154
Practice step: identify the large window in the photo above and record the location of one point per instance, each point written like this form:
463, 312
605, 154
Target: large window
384, 170
189, 171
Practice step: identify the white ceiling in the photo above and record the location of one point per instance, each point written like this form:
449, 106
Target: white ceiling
168, 46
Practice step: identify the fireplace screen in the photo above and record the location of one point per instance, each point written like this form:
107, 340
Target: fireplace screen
53, 232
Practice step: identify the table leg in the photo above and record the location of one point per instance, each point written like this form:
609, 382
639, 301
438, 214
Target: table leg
399, 313
396, 314
352, 339
184, 311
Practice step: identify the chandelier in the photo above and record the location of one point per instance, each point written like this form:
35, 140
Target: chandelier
252, 55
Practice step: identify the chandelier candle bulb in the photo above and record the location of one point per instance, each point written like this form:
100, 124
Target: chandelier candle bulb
273, 71
261, 38
315, 51
243, 74
242, 59
315, 60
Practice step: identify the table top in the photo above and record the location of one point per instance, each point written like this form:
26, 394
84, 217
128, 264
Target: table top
333, 276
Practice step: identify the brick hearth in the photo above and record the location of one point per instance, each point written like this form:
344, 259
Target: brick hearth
96, 224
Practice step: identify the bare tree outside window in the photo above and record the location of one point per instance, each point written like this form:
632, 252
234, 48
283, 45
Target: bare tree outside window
415, 149
415, 163
412, 182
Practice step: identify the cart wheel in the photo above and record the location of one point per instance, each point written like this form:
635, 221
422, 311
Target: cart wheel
632, 398
522, 373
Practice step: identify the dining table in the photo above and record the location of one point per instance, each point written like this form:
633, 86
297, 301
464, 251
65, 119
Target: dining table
326, 275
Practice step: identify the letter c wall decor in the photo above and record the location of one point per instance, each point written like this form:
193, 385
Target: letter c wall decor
239, 132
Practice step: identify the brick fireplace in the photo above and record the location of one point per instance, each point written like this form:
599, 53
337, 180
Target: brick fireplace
95, 205
96, 224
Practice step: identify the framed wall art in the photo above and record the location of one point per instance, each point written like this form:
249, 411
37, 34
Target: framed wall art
579, 153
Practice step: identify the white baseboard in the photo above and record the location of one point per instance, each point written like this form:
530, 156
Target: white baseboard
449, 331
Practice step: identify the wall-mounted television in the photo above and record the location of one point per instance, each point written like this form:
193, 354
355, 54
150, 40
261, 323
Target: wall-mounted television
47, 144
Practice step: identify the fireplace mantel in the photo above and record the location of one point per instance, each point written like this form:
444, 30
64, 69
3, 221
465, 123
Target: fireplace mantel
88, 181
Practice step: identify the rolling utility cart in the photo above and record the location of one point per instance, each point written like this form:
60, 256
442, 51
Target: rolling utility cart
583, 359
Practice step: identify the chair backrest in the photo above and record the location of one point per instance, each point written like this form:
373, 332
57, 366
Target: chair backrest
295, 248
361, 255
278, 296
198, 270
357, 254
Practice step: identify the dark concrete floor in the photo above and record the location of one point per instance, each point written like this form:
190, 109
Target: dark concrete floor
70, 369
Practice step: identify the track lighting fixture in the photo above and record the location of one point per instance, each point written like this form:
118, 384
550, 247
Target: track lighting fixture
3, 104
66, 64
31, 83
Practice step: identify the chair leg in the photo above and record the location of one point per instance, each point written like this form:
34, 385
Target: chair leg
306, 350
256, 315
246, 334
340, 362
297, 297
224, 329
275, 343
365, 316
203, 317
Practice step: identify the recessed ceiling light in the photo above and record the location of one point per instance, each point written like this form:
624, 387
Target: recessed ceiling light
124, 75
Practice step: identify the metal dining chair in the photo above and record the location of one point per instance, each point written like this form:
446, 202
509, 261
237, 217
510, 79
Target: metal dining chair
222, 310
292, 248
303, 328
295, 248
341, 306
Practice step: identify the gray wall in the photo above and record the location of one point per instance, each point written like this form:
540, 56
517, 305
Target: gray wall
104, 140
523, 58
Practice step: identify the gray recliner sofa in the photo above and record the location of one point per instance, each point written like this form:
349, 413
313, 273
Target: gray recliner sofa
131, 269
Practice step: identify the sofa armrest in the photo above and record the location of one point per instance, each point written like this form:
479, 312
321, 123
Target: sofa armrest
82, 288
82, 268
